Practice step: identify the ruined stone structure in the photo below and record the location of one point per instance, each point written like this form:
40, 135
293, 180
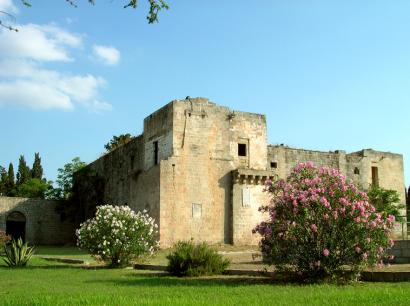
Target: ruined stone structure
199, 169
34, 220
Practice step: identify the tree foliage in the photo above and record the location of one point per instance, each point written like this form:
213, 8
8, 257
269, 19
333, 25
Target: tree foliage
3, 180
65, 179
155, 6
37, 170
387, 202
33, 188
30, 182
118, 141
23, 172
10, 180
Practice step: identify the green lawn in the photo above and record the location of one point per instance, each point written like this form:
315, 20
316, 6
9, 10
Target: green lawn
45, 283
52, 283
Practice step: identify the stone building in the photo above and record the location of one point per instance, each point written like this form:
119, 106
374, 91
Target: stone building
35, 221
199, 169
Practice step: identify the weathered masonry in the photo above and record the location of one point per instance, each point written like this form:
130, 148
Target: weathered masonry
35, 221
199, 169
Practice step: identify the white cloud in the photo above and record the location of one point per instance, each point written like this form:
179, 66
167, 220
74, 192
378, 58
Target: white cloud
107, 54
24, 80
42, 43
39, 88
8, 7
34, 95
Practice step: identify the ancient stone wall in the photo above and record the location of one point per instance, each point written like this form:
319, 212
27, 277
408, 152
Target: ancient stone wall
196, 182
364, 168
43, 225
248, 196
183, 169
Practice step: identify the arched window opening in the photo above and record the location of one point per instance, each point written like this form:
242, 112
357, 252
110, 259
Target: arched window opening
16, 225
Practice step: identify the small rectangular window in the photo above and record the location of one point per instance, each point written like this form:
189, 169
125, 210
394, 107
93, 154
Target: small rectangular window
132, 160
156, 161
241, 149
274, 165
375, 176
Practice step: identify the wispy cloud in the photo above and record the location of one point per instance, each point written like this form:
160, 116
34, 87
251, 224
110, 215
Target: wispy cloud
107, 54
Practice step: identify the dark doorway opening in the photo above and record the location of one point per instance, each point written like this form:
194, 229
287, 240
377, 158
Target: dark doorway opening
375, 176
16, 225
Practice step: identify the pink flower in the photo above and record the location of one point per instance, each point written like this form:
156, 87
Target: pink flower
325, 216
326, 252
358, 249
314, 228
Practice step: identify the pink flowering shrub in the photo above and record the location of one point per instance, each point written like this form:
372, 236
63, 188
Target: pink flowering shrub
118, 235
318, 223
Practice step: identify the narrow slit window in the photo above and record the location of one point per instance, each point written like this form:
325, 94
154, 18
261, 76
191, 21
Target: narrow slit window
241, 149
156, 161
356, 171
375, 176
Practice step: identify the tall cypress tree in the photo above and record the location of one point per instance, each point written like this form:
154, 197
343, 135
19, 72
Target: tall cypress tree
3, 180
23, 172
37, 171
10, 180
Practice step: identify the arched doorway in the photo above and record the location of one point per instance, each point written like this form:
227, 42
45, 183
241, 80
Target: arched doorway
16, 225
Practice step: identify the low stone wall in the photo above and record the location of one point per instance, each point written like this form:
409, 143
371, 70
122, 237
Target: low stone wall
401, 251
43, 225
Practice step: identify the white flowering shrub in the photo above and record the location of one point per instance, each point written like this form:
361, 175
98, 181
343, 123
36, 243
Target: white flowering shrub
118, 235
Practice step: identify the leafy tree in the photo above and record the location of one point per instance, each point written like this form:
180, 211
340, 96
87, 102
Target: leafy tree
155, 6
386, 201
23, 172
65, 179
118, 141
33, 188
37, 170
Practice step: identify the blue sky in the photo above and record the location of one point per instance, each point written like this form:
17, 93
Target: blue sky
328, 74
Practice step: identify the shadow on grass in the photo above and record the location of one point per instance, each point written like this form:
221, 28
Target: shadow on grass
164, 279
42, 267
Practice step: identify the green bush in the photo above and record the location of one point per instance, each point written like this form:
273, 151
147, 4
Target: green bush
18, 253
195, 259
387, 202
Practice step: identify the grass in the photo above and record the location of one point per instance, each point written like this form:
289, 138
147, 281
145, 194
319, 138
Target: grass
63, 252
51, 283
